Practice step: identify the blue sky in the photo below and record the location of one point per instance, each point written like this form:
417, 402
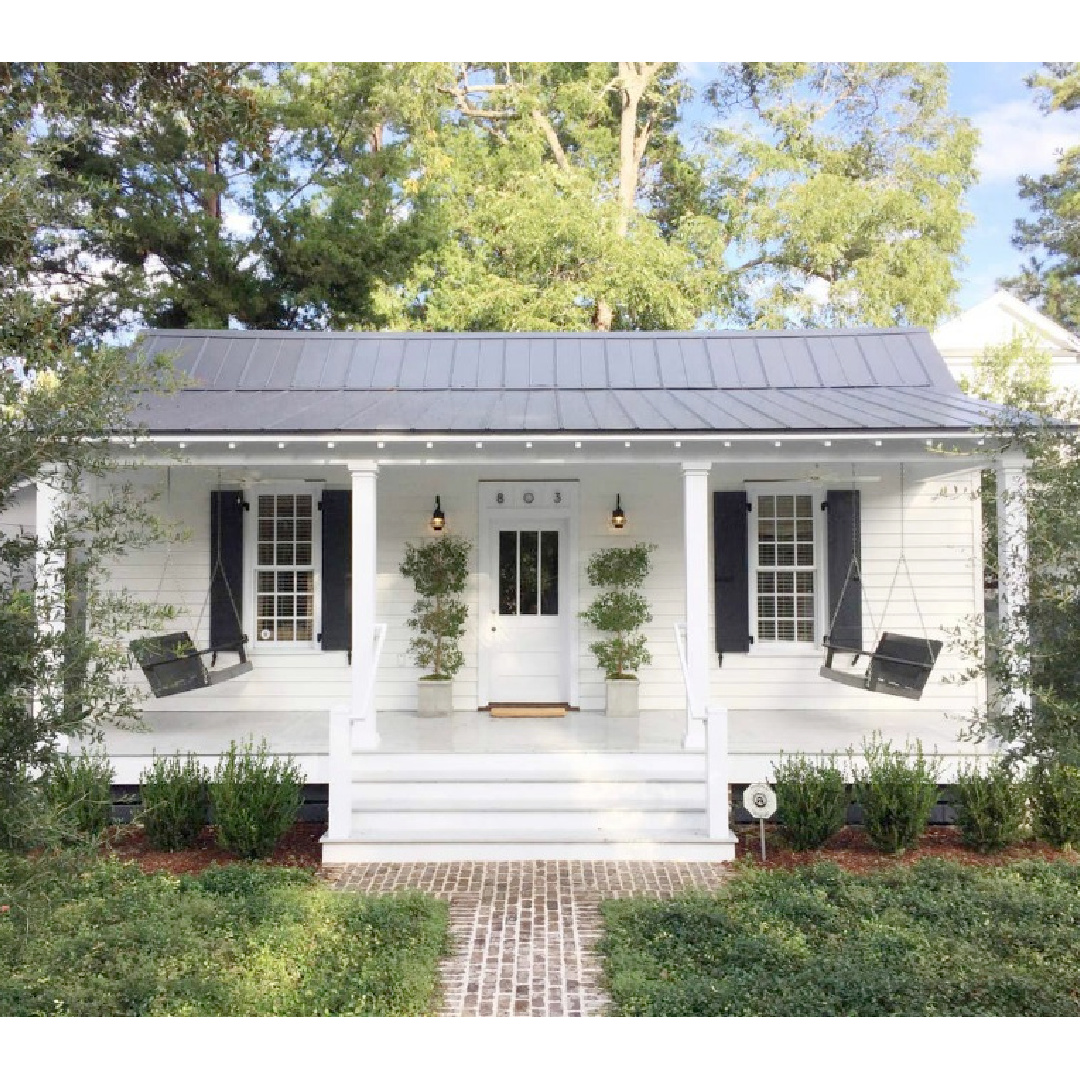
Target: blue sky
1016, 138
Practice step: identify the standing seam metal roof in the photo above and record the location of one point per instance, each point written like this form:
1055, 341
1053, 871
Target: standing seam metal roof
828, 380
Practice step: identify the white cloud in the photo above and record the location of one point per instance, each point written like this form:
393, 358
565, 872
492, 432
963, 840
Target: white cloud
1016, 138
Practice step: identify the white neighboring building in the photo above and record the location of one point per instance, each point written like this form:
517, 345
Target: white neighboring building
996, 321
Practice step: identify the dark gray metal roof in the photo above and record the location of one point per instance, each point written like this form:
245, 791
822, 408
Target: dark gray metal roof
729, 381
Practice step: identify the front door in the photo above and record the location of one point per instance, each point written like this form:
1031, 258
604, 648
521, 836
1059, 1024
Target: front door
527, 626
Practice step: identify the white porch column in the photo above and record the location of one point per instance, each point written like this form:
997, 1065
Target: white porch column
362, 704
696, 541
1013, 553
50, 507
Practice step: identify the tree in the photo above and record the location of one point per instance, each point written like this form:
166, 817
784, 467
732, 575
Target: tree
62, 628
210, 194
1031, 654
1051, 276
568, 197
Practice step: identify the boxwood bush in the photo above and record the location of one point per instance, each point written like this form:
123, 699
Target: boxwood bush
896, 790
255, 798
1055, 796
811, 800
990, 806
78, 789
175, 801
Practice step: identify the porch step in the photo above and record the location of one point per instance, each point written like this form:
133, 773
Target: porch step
486, 768
556, 795
336, 852
499, 823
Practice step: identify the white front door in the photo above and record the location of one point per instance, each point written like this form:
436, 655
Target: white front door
527, 618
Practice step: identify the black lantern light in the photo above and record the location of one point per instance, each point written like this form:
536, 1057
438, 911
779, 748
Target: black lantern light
618, 517
438, 518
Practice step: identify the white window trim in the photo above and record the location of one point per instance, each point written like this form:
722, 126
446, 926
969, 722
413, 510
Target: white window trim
251, 517
821, 581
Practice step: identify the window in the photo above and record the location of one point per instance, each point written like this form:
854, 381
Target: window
784, 558
528, 572
285, 568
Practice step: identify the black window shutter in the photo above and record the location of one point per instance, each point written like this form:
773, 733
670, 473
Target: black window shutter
226, 568
731, 575
845, 542
337, 570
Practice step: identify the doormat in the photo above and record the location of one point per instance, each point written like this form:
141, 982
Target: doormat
523, 712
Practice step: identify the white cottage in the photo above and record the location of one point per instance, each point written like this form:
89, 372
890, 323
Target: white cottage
758, 464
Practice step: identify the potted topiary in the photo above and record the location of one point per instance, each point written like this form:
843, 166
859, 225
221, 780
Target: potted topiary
439, 571
620, 611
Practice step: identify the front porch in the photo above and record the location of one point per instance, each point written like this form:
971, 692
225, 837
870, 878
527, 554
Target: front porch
757, 737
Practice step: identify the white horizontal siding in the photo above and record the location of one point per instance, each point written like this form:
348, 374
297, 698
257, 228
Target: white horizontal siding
940, 531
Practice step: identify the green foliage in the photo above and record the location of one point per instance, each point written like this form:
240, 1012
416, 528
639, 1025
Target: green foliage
175, 801
102, 938
439, 570
811, 799
896, 790
1055, 796
79, 790
1027, 655
932, 939
255, 798
620, 610
1051, 236
991, 806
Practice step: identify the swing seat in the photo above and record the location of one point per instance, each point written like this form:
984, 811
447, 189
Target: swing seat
899, 666
172, 664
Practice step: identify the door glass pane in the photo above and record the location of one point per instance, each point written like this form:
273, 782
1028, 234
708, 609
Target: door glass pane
529, 578
549, 573
507, 573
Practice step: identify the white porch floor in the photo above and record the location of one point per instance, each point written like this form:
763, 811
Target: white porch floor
756, 737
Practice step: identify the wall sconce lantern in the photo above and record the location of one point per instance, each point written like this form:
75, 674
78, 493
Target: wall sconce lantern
618, 516
438, 518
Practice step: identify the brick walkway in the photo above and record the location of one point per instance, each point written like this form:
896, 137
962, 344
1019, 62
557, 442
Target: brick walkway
525, 933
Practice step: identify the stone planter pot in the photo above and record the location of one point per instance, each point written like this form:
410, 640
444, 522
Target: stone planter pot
434, 697
622, 698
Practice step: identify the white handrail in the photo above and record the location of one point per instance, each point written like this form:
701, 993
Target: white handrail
679, 630
377, 648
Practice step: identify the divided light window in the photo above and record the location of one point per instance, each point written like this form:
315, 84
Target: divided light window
284, 570
786, 570
528, 572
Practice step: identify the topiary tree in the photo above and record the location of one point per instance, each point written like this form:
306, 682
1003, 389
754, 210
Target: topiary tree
620, 610
439, 571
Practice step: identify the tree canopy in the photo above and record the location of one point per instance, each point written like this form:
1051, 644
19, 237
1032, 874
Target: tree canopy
484, 195
1051, 236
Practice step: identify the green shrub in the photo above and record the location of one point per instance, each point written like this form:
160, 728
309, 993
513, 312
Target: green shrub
934, 938
1055, 795
255, 798
620, 610
990, 806
811, 800
176, 802
79, 791
896, 790
98, 937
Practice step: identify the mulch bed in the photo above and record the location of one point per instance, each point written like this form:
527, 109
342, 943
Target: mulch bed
851, 849
298, 847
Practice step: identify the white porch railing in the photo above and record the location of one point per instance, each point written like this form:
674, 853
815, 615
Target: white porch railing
340, 764
715, 718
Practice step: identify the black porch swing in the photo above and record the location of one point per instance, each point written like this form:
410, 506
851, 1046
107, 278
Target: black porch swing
171, 662
899, 664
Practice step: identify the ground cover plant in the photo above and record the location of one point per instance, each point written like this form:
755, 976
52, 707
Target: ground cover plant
98, 937
932, 939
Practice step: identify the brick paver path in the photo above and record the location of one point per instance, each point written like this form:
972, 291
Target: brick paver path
525, 933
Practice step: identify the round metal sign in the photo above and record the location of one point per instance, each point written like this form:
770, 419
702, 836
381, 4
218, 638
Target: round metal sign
759, 800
